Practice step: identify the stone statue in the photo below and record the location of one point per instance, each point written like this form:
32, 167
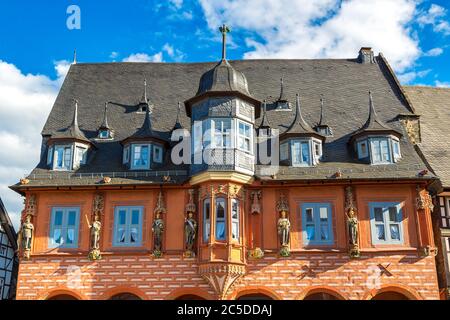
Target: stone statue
25, 238
352, 224
157, 229
284, 226
95, 229
190, 231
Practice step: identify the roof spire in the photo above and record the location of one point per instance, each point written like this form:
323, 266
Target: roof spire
177, 122
105, 118
282, 97
321, 111
75, 116
265, 121
224, 29
145, 90
75, 56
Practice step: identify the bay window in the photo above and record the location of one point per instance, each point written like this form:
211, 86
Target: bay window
244, 136
379, 149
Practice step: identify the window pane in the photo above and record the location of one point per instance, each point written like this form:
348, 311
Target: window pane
144, 155
58, 218
57, 236
376, 151
135, 217
235, 230
59, 157
378, 214
310, 232
220, 230
385, 150
207, 210
323, 214
393, 216
67, 157
296, 153
220, 211
70, 236
71, 221
380, 232
133, 235
122, 217
324, 232
121, 235
305, 152
309, 215
395, 231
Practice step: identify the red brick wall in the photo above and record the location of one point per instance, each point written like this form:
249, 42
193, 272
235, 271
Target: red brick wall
173, 275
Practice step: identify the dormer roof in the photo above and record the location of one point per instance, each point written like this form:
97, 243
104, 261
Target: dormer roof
299, 127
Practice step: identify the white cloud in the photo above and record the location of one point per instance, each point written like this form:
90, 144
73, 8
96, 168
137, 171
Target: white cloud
114, 55
409, 77
434, 52
440, 84
436, 17
322, 28
175, 54
25, 102
143, 57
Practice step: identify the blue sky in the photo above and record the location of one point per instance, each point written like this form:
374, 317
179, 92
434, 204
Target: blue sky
36, 47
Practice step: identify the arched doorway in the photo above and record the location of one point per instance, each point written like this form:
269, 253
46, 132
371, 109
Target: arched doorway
125, 296
390, 295
321, 296
189, 297
62, 297
254, 296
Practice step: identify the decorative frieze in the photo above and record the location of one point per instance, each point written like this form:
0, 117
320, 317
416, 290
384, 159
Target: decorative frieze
221, 276
255, 197
424, 200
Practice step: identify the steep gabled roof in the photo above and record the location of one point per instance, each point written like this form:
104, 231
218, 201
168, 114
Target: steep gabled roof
433, 106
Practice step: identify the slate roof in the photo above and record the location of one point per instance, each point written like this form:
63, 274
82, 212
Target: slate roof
433, 106
344, 83
72, 131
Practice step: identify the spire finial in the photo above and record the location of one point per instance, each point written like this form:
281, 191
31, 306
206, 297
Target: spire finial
224, 29
321, 110
105, 117
178, 111
145, 90
75, 114
75, 56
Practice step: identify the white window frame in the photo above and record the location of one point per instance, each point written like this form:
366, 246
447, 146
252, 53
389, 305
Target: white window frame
206, 220
140, 167
396, 155
235, 222
372, 142
126, 155
50, 155
225, 135
102, 131
77, 162
128, 226
361, 153
301, 163
55, 157
284, 151
386, 222
240, 136
64, 227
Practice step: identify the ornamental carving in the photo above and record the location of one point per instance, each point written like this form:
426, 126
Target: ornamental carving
31, 205
255, 197
221, 276
424, 200
26, 231
352, 223
256, 253
95, 227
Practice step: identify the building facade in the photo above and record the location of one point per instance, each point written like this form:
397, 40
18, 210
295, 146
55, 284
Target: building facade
432, 106
138, 198
8, 259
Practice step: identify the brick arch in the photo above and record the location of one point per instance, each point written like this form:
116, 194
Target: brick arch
62, 291
254, 290
321, 289
123, 289
189, 291
408, 292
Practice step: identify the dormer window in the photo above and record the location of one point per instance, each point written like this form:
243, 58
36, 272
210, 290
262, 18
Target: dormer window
303, 152
283, 105
379, 149
104, 134
140, 156
67, 157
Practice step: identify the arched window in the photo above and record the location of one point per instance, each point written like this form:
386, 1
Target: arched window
221, 210
235, 219
206, 220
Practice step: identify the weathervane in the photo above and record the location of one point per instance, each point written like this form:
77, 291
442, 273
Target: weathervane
224, 29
